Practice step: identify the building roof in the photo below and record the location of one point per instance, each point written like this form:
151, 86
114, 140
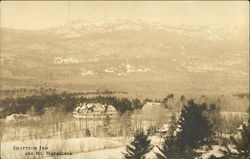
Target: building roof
149, 106
17, 116
152, 111
94, 107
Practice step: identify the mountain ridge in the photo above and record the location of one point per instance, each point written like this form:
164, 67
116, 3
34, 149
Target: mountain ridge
125, 50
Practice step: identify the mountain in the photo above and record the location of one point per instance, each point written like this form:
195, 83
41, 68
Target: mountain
132, 54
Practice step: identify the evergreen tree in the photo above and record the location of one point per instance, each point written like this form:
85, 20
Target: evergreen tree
170, 148
194, 130
136, 103
195, 127
140, 146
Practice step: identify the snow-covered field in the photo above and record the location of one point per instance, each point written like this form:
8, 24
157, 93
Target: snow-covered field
75, 146
115, 153
89, 148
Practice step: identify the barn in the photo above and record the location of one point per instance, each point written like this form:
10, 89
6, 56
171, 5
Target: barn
152, 114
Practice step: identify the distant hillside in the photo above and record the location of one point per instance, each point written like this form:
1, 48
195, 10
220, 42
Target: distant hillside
135, 55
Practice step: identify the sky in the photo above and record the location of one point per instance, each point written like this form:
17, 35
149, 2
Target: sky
46, 14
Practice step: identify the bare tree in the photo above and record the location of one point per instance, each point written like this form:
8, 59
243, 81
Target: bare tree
2, 131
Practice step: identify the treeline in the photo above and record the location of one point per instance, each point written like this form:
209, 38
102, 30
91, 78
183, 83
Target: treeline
64, 102
98, 92
23, 92
242, 95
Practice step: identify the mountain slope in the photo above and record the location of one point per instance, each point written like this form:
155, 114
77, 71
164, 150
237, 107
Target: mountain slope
126, 52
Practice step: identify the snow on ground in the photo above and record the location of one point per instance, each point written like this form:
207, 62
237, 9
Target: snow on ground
114, 153
214, 151
75, 145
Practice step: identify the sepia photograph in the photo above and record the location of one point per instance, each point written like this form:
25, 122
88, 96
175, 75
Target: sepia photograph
124, 80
